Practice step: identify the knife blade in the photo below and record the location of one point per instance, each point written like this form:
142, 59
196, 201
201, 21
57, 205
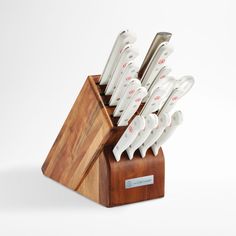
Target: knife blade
151, 122
159, 38
127, 55
158, 97
133, 85
132, 107
124, 38
137, 124
176, 120
183, 85
156, 65
163, 122
130, 72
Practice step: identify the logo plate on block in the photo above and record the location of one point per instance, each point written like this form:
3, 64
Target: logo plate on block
141, 181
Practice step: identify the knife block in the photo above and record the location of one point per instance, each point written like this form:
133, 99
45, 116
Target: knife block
81, 157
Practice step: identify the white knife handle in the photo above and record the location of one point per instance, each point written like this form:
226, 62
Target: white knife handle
156, 65
137, 124
130, 72
163, 122
151, 122
124, 38
158, 97
176, 120
127, 55
134, 84
132, 106
183, 85
160, 78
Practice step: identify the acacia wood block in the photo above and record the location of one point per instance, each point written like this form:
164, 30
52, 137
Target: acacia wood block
81, 157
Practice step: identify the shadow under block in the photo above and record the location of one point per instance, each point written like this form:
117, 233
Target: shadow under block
81, 157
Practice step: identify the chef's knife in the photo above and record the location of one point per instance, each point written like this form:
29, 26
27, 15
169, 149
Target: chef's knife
127, 55
124, 38
159, 38
151, 122
176, 120
133, 85
163, 122
130, 72
132, 107
137, 124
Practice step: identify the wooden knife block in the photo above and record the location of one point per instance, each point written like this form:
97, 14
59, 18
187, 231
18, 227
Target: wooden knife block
81, 157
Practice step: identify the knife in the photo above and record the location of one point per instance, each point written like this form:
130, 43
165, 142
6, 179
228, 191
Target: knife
176, 120
163, 122
137, 124
160, 78
151, 122
132, 107
124, 38
159, 38
183, 85
158, 97
134, 84
156, 65
130, 72
127, 55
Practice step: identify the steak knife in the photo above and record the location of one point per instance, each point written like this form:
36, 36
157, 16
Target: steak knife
176, 120
137, 124
163, 122
151, 122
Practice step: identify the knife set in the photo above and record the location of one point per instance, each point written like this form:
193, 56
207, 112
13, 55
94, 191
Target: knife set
109, 148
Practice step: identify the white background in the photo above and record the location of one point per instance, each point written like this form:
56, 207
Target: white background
47, 48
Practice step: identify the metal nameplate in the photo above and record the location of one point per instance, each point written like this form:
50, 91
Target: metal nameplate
141, 181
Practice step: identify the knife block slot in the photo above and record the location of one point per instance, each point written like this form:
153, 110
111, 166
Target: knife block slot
81, 157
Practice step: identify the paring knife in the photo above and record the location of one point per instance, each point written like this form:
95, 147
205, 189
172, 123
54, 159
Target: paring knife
127, 55
183, 85
176, 120
151, 122
156, 65
134, 84
159, 38
158, 97
130, 72
163, 122
124, 38
137, 124
132, 107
